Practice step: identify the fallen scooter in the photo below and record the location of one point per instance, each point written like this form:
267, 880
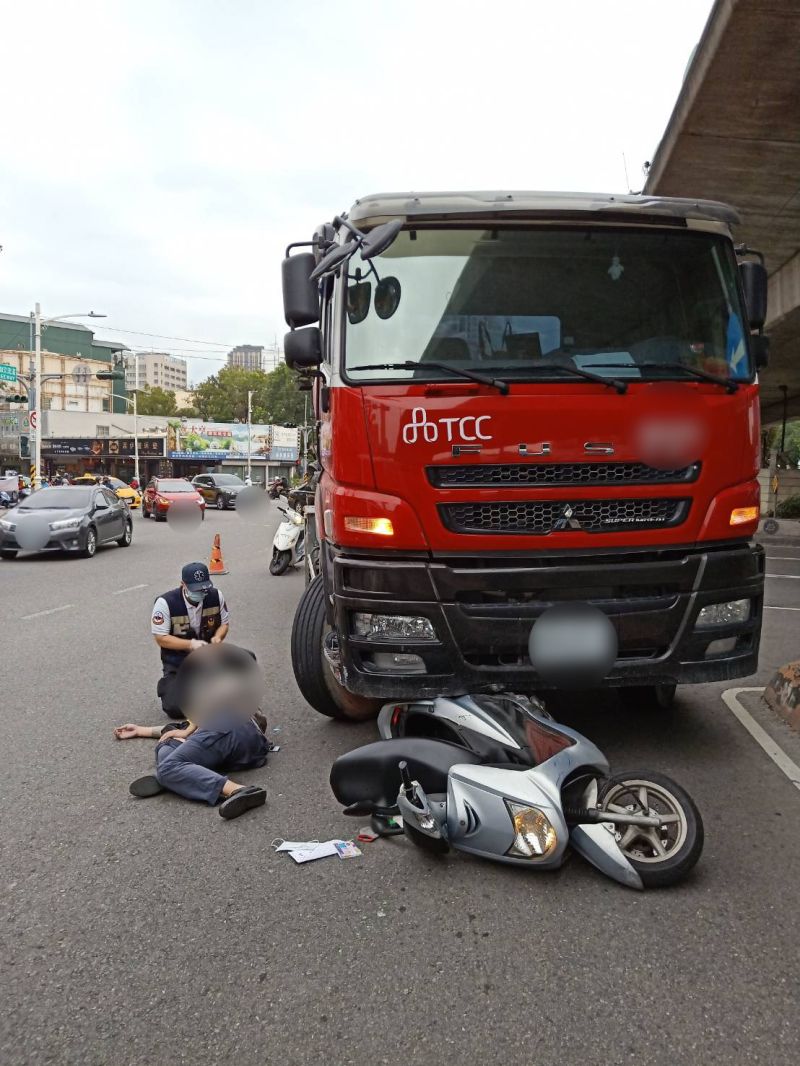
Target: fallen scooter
288, 545
496, 776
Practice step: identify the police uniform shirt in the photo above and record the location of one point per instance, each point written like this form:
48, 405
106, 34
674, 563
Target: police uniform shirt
161, 623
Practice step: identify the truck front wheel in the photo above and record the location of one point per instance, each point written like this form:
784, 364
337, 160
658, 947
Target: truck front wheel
313, 673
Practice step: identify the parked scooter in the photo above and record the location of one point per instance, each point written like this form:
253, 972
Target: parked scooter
496, 776
288, 545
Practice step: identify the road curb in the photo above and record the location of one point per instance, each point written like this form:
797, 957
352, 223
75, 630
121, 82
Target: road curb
782, 694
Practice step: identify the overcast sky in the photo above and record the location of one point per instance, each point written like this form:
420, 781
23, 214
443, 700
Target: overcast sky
158, 155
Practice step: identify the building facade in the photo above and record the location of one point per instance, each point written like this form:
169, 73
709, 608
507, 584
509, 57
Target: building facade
158, 370
247, 357
70, 350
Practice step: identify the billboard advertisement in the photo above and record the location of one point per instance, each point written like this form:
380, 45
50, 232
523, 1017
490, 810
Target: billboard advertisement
230, 440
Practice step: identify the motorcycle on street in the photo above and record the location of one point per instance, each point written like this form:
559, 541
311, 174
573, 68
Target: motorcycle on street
288, 545
496, 776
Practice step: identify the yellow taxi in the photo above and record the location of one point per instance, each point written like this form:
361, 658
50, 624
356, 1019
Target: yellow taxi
121, 489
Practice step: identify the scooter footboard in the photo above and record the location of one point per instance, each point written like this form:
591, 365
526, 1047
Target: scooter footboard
370, 776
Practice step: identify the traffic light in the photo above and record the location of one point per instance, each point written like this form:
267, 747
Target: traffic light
14, 399
110, 375
24, 446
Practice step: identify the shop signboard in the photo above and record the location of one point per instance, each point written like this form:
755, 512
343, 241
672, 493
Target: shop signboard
284, 444
102, 447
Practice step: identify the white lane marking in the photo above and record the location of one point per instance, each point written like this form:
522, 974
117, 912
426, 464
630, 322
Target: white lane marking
130, 588
730, 697
794, 577
768, 608
784, 558
53, 610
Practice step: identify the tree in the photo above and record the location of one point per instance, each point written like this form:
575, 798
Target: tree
223, 396
155, 401
283, 402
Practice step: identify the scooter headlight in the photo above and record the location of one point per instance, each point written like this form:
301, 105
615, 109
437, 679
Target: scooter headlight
535, 836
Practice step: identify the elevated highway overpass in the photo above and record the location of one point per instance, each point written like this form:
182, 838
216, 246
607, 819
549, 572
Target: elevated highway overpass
734, 135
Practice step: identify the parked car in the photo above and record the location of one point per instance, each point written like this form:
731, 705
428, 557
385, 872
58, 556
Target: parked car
162, 492
66, 518
219, 490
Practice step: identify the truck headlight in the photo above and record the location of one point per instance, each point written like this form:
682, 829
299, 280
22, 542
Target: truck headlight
65, 523
723, 614
9, 527
535, 835
392, 627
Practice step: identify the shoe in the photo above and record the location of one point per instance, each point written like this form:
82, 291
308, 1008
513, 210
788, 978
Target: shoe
243, 800
144, 787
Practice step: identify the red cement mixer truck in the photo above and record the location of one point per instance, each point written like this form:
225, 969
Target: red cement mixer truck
525, 399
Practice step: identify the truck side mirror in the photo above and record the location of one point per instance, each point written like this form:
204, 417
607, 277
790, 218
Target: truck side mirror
302, 348
754, 283
300, 293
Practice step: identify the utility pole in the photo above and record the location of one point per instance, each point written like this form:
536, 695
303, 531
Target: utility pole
249, 431
33, 399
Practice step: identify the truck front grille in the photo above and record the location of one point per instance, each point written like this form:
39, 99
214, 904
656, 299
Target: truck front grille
548, 516
475, 475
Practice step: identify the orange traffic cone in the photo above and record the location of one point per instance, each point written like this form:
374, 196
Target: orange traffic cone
216, 566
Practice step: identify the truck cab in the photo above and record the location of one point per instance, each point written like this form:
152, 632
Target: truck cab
522, 400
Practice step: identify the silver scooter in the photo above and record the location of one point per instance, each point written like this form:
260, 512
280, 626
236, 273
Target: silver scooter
496, 776
288, 545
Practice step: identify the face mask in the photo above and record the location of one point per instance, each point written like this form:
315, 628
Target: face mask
195, 598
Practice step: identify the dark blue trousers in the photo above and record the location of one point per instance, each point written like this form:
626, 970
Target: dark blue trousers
197, 768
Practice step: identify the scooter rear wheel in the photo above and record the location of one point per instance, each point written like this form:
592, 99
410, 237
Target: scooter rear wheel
661, 856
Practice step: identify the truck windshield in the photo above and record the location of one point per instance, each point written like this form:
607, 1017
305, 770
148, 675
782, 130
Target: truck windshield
531, 303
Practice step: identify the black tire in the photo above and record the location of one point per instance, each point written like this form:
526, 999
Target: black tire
8, 553
145, 512
219, 503
682, 852
90, 547
648, 697
311, 670
125, 540
279, 563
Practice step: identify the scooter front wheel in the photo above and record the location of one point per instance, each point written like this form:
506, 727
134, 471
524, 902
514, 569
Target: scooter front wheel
664, 855
279, 563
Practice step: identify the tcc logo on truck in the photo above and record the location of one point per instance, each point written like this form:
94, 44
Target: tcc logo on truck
466, 428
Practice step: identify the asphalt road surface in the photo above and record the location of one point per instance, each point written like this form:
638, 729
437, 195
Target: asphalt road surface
150, 932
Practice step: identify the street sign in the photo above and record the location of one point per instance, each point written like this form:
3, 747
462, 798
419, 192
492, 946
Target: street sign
32, 417
8, 372
81, 374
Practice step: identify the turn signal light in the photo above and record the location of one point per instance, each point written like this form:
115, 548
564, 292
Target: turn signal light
381, 526
740, 515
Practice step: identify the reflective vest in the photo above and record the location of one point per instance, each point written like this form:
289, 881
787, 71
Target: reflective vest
180, 626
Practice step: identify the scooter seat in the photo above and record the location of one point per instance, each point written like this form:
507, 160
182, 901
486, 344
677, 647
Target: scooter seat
371, 775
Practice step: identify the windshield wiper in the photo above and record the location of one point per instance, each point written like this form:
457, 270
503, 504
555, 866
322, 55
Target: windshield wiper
611, 383
701, 375
496, 383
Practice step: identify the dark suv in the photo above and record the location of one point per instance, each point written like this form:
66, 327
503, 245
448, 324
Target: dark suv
219, 490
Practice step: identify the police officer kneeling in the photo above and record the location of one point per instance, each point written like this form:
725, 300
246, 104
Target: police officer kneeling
184, 619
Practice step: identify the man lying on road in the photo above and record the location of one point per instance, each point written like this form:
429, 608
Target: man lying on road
221, 688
